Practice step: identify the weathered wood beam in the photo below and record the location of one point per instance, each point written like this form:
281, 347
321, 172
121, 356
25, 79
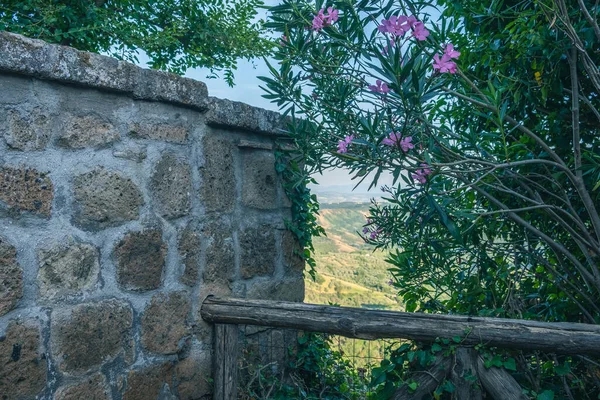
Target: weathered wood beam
225, 362
562, 338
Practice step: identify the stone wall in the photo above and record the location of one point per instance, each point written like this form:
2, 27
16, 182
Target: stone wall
126, 197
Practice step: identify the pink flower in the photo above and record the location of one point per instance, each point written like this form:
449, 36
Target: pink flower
405, 144
283, 40
380, 87
420, 175
321, 20
392, 139
343, 144
450, 52
396, 139
419, 31
365, 230
395, 25
332, 16
444, 64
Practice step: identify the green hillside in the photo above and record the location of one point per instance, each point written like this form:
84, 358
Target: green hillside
349, 273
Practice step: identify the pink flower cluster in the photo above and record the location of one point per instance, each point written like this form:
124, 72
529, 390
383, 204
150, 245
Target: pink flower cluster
343, 144
420, 175
379, 87
396, 139
400, 25
445, 63
322, 20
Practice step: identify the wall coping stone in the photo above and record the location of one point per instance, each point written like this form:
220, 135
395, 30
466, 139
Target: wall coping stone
45, 61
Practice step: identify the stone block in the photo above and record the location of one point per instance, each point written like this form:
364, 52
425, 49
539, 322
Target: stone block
165, 323
94, 387
233, 114
91, 334
22, 362
25, 190
166, 132
87, 131
258, 251
66, 270
15, 89
293, 262
194, 376
190, 251
218, 191
287, 290
28, 133
149, 383
140, 260
259, 181
11, 278
220, 254
104, 199
172, 186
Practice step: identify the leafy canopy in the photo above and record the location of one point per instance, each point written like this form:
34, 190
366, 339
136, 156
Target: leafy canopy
175, 34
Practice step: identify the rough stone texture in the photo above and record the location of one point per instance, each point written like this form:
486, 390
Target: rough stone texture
90, 334
293, 262
218, 189
172, 186
24, 189
164, 323
67, 269
189, 249
194, 376
27, 133
104, 199
147, 384
94, 387
45, 61
287, 290
259, 180
225, 113
166, 132
220, 254
11, 278
22, 362
140, 260
257, 248
87, 131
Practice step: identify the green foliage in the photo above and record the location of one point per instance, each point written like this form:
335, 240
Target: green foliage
175, 34
505, 220
316, 371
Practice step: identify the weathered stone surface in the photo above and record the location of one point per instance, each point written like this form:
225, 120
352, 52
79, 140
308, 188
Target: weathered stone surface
131, 152
148, 383
24, 189
164, 323
257, 247
87, 131
166, 132
94, 387
194, 376
259, 180
231, 114
190, 251
22, 362
293, 262
67, 269
105, 199
220, 254
90, 334
171, 186
27, 133
46, 61
11, 278
218, 189
286, 290
140, 260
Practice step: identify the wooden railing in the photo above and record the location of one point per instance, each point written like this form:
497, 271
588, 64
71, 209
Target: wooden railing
559, 338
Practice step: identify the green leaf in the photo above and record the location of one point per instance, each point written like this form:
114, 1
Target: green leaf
546, 395
413, 386
510, 364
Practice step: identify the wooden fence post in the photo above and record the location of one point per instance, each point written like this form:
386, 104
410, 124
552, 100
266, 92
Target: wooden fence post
225, 362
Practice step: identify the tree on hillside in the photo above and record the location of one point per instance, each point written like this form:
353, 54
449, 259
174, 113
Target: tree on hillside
487, 116
175, 34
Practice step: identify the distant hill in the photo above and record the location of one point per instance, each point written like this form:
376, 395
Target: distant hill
349, 273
